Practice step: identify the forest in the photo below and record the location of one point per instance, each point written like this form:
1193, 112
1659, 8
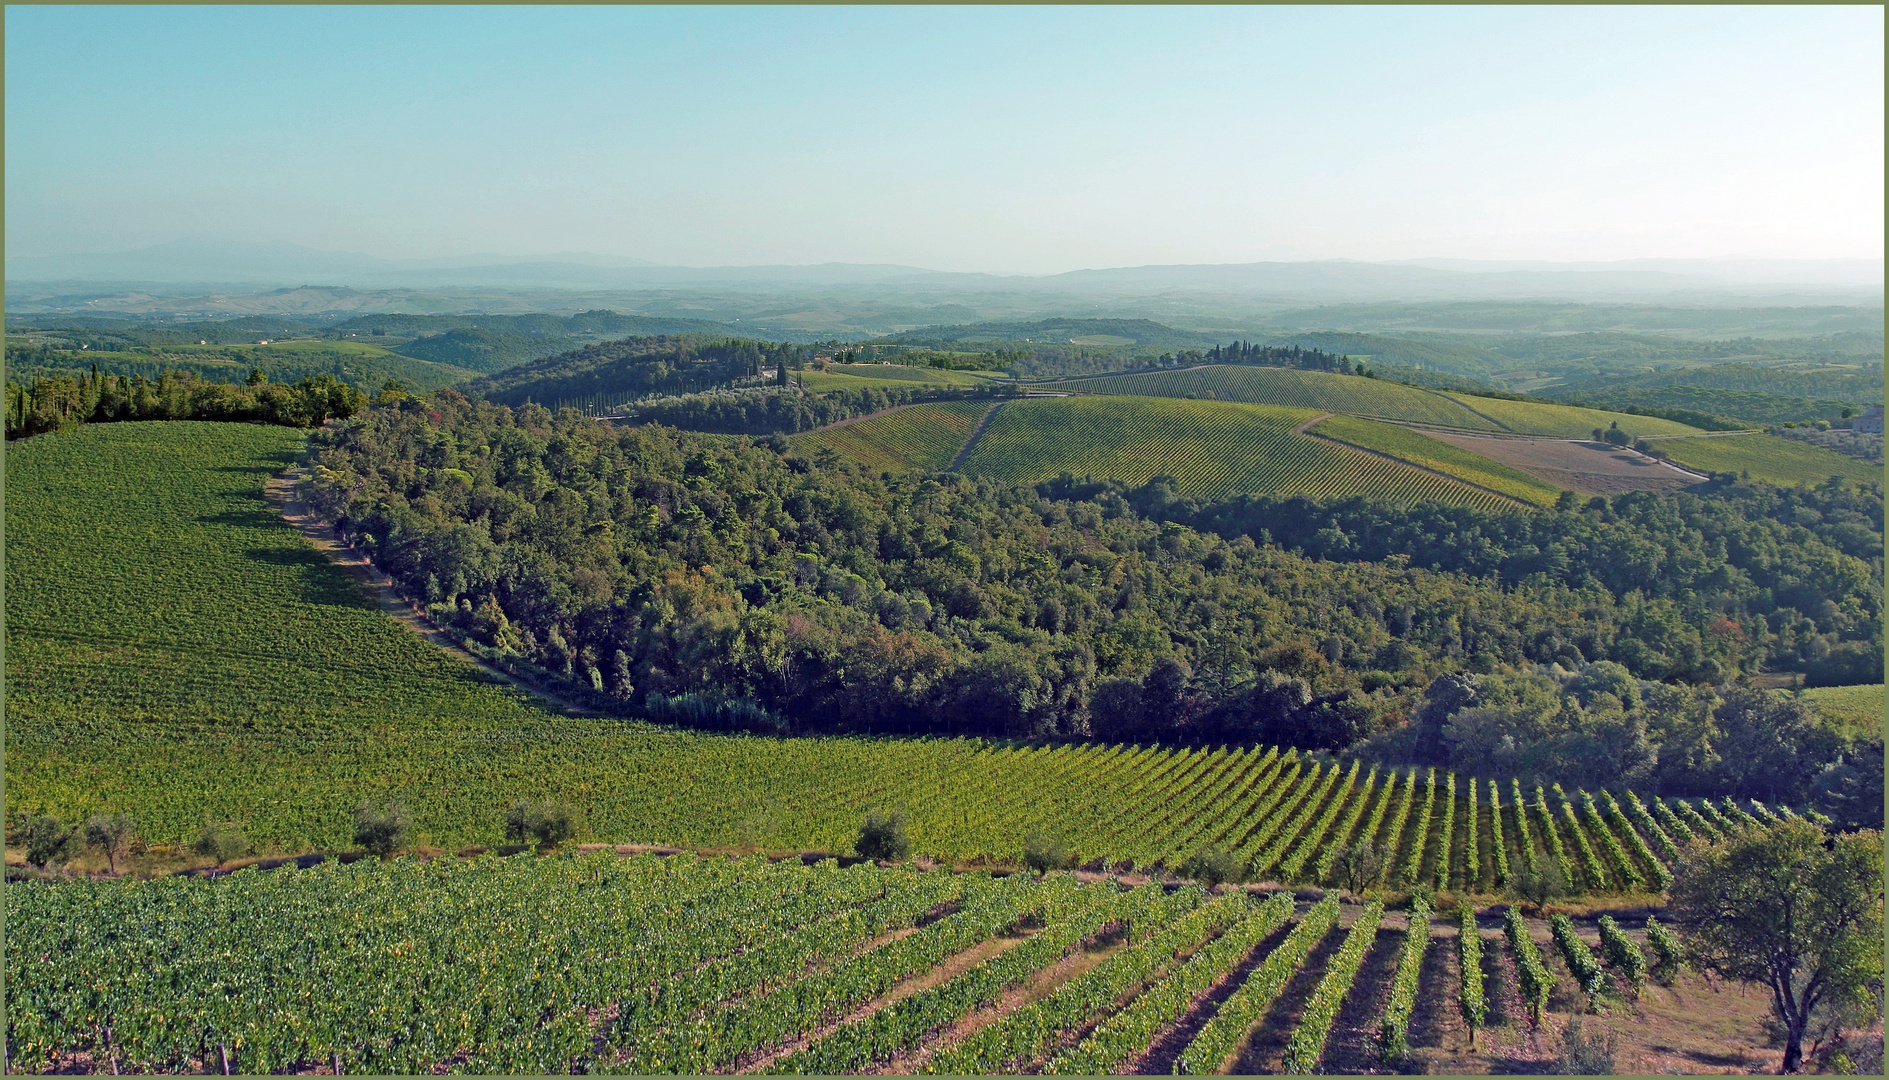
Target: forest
777, 409
672, 570
620, 371
60, 402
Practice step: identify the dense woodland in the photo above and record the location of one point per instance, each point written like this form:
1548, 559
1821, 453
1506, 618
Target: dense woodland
620, 371
670, 571
784, 410
58, 402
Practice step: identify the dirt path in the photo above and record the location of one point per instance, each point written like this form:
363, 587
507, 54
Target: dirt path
970, 444
279, 490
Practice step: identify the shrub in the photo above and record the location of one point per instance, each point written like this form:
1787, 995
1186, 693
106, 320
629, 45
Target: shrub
49, 840
1667, 955
1212, 866
882, 837
223, 841
382, 830
1583, 1054
545, 822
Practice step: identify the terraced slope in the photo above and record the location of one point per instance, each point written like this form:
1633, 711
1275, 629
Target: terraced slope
1419, 449
1212, 449
1317, 390
1768, 458
924, 437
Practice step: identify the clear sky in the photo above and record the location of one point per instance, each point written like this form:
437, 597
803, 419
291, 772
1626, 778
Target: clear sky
1010, 140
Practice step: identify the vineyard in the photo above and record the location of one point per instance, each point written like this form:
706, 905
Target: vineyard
925, 437
1769, 458
1420, 449
1212, 449
679, 964
855, 376
1325, 392
176, 651
1566, 421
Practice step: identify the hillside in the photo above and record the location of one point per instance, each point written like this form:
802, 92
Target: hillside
609, 374
362, 365
1139, 335
1211, 449
1768, 458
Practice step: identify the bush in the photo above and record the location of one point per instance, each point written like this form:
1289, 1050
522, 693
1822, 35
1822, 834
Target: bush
1213, 866
1539, 884
1045, 851
223, 841
49, 840
544, 822
882, 838
112, 834
382, 830
1583, 1054
1361, 866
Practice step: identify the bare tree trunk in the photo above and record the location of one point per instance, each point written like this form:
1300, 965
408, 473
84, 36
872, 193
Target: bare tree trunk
1793, 1047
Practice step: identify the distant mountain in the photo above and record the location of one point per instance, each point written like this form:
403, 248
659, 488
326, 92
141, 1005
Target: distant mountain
1139, 334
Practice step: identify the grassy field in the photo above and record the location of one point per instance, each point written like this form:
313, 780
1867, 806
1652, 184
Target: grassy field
1420, 449
1315, 390
1213, 449
1566, 421
856, 376
924, 437
1769, 458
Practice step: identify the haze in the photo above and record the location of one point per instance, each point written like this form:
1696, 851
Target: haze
1012, 141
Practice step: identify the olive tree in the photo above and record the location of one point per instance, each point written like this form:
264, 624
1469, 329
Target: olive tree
1793, 910
111, 833
382, 830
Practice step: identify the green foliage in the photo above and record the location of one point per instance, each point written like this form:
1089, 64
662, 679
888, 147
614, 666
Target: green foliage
382, 829
1580, 959
1583, 1054
1563, 421
224, 841
1769, 459
1229, 1027
1213, 866
60, 402
1470, 999
111, 834
1668, 954
882, 837
1498, 846
1393, 1031
1211, 449
1129, 1031
1307, 1044
1314, 390
924, 437
1533, 974
544, 822
1622, 952
48, 840
1791, 909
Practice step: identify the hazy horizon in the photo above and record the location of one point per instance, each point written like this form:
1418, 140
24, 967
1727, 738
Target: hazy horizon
1003, 141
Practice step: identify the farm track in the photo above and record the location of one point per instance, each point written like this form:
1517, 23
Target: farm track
279, 490
970, 442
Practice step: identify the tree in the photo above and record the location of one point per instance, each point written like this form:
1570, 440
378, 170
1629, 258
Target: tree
1045, 851
112, 834
382, 830
1361, 865
546, 822
1791, 909
49, 840
1585, 1055
1539, 884
882, 837
1212, 866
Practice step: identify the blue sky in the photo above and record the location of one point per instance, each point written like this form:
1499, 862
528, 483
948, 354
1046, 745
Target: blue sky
1010, 140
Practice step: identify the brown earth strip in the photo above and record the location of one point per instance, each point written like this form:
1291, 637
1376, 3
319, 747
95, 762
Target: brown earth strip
1578, 465
1267, 1044
1305, 429
970, 443
1352, 1045
1166, 1047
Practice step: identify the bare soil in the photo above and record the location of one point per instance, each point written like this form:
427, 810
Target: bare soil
1590, 468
